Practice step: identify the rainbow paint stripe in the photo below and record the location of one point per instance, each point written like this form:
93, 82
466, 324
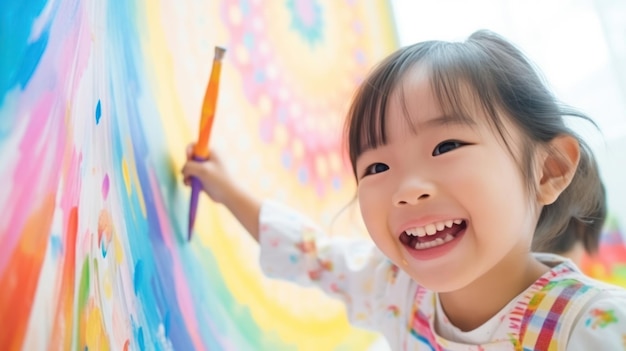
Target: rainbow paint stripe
96, 100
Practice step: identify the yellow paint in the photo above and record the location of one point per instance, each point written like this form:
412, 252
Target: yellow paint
241, 54
96, 337
126, 177
134, 178
265, 105
280, 135
321, 167
107, 286
118, 250
327, 326
246, 285
298, 149
335, 162
234, 15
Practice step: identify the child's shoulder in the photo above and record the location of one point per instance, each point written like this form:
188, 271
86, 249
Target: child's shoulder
566, 287
565, 303
566, 281
601, 322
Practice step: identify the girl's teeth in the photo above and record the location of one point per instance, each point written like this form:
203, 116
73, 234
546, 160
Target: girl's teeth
434, 243
433, 228
430, 229
421, 232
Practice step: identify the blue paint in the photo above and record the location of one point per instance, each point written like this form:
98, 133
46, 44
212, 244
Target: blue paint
248, 41
154, 276
31, 59
98, 112
137, 276
218, 315
310, 29
303, 175
56, 245
103, 249
359, 55
244, 7
140, 341
259, 76
282, 115
336, 183
21, 53
285, 159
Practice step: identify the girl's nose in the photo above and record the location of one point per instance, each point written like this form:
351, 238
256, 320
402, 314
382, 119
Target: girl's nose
412, 192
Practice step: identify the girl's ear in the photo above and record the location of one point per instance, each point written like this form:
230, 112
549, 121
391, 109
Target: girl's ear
558, 166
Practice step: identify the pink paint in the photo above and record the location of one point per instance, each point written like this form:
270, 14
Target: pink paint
72, 184
105, 187
44, 103
185, 301
29, 187
306, 11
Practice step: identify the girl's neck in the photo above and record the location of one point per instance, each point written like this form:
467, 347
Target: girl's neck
475, 304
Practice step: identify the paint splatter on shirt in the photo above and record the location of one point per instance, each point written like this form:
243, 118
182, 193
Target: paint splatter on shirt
562, 310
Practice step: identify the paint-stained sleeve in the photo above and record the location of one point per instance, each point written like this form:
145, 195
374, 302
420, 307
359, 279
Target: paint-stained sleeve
602, 325
353, 270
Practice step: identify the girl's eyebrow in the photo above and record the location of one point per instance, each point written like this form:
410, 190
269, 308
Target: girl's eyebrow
447, 120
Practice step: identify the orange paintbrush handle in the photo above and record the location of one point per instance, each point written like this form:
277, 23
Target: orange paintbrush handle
201, 149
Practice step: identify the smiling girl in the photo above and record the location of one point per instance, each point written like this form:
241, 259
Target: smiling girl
462, 156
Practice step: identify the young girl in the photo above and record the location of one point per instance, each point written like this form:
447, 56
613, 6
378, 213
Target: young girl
461, 157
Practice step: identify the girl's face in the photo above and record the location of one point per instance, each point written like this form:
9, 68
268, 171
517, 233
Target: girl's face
443, 199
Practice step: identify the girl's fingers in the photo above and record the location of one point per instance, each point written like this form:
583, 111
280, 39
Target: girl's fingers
189, 151
192, 169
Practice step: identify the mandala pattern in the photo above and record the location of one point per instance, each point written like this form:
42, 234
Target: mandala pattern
300, 72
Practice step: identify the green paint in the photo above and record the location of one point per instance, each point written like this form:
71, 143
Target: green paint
83, 295
83, 288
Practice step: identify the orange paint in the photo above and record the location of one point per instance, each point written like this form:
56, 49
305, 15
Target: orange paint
64, 317
19, 280
105, 226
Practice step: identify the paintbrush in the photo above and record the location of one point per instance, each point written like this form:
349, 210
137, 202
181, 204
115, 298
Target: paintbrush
201, 148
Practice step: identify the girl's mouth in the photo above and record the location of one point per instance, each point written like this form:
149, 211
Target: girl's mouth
432, 235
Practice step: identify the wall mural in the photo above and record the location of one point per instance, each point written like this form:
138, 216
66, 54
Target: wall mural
98, 100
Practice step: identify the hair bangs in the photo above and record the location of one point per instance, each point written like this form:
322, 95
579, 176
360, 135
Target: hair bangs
365, 125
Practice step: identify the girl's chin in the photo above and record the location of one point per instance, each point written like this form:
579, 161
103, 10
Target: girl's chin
439, 283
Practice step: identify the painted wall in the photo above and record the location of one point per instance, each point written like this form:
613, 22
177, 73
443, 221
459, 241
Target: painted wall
98, 100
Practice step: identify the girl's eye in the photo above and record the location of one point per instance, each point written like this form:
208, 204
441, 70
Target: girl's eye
376, 168
446, 146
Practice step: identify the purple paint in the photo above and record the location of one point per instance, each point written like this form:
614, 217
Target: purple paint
105, 186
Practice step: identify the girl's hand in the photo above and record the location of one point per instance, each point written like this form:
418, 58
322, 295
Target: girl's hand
222, 189
211, 173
